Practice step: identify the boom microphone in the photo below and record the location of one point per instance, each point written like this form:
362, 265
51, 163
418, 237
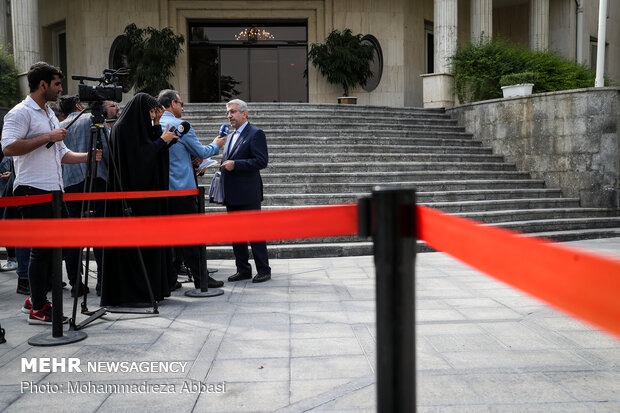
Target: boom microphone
179, 131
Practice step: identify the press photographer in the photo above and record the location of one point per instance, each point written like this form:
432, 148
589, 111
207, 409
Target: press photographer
28, 128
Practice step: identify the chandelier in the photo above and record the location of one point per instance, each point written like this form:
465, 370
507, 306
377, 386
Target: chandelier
253, 34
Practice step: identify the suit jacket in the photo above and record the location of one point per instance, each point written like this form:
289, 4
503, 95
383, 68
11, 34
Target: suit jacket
244, 185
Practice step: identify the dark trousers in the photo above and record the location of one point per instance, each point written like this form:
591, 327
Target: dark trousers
259, 248
40, 267
191, 253
74, 208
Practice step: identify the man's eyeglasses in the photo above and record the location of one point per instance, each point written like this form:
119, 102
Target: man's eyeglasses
181, 103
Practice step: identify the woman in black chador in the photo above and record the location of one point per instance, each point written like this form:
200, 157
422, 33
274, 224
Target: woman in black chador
140, 153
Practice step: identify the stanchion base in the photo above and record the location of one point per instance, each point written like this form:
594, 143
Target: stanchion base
213, 292
47, 339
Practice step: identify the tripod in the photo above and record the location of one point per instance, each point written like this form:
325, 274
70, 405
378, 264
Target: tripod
98, 133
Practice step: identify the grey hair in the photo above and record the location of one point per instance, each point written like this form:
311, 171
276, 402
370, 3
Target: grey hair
241, 105
167, 96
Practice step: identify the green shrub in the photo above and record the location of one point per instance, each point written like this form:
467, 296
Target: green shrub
343, 59
478, 69
9, 91
151, 55
518, 78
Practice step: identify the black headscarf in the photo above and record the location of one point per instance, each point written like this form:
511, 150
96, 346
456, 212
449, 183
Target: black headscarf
139, 152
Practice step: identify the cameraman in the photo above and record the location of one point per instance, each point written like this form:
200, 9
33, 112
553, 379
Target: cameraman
74, 176
28, 127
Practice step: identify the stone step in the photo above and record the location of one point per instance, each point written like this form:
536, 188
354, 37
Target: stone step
564, 224
421, 197
500, 204
357, 187
371, 167
378, 122
372, 148
357, 248
409, 144
451, 207
290, 110
270, 177
509, 215
292, 134
327, 156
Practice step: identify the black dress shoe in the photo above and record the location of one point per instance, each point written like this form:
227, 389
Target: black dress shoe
213, 283
239, 277
261, 278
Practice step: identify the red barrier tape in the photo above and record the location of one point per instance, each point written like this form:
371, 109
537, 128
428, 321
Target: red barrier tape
580, 283
39, 199
196, 229
25, 200
128, 195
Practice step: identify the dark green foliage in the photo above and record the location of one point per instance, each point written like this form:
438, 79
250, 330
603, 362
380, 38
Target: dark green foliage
9, 92
151, 55
518, 78
479, 67
343, 59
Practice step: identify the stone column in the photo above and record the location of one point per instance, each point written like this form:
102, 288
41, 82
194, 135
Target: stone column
438, 90
26, 49
481, 17
539, 24
445, 29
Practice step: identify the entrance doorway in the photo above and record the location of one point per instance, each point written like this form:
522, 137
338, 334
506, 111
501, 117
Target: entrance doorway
253, 61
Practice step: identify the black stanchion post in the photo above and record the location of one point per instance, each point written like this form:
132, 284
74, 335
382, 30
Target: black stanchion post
204, 272
57, 272
57, 338
389, 216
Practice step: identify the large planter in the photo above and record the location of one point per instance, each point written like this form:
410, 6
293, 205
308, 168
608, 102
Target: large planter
523, 89
347, 100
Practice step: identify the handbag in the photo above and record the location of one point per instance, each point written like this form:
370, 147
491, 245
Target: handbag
216, 191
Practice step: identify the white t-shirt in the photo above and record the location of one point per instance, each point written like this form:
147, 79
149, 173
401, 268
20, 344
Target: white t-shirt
40, 168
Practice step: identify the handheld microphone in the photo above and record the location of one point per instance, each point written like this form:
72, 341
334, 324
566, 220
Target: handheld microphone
224, 130
179, 131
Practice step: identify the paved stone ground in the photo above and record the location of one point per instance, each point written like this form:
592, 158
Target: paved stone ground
306, 342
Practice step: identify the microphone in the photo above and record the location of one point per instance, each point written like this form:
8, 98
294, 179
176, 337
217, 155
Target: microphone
224, 130
179, 131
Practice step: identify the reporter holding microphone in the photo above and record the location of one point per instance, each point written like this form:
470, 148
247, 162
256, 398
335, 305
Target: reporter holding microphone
139, 150
182, 173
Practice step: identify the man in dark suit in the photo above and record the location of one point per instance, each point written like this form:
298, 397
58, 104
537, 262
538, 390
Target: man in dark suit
245, 154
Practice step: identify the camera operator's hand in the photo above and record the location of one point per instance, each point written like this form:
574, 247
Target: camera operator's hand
220, 140
98, 154
56, 135
156, 114
168, 134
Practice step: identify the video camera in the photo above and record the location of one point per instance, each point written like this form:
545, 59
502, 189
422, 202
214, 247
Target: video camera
106, 90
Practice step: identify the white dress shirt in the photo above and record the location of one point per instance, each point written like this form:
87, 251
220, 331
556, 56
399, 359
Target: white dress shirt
40, 168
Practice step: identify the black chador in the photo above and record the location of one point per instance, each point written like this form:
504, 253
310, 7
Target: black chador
142, 160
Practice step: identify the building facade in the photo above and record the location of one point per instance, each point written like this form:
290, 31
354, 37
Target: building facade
258, 48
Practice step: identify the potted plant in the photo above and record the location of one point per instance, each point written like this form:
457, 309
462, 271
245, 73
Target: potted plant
517, 84
344, 60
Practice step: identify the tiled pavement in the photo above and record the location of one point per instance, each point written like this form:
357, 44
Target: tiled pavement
305, 341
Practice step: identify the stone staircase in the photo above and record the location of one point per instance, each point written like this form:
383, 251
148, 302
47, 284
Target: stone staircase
322, 154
